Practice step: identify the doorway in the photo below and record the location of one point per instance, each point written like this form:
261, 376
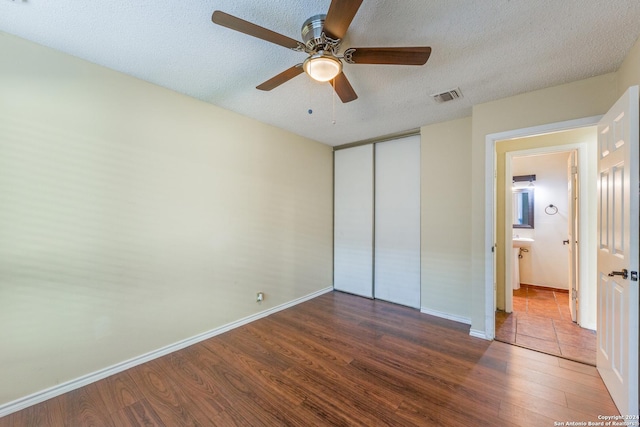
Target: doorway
537, 315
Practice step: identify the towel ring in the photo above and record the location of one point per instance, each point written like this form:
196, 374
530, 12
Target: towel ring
551, 210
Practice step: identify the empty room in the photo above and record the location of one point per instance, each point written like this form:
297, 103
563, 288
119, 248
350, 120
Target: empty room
317, 213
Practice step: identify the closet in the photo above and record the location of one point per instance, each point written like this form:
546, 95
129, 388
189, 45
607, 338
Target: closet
377, 220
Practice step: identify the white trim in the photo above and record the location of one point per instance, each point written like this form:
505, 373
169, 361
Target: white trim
489, 243
480, 334
84, 380
443, 315
490, 168
508, 232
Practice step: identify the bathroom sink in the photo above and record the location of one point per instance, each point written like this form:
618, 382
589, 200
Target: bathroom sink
522, 242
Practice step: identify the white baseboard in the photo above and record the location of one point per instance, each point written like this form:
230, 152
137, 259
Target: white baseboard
467, 321
84, 380
555, 288
479, 334
444, 315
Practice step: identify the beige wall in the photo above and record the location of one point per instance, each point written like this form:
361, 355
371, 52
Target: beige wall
134, 217
629, 72
446, 227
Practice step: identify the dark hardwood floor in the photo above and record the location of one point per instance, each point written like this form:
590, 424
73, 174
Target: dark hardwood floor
337, 360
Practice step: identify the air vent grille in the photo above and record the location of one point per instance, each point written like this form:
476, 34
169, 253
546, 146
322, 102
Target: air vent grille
449, 95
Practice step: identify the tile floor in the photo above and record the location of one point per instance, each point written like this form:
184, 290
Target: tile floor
541, 321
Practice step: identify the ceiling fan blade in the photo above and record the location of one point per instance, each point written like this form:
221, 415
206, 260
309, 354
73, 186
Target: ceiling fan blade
339, 17
254, 30
388, 55
284, 76
343, 88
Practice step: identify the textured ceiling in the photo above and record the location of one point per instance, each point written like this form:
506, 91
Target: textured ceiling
491, 49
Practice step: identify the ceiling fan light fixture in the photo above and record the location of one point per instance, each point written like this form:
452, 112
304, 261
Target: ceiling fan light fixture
322, 67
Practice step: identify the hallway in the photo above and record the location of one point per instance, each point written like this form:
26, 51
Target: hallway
541, 321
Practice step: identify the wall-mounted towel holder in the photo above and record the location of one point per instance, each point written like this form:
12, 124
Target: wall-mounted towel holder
551, 210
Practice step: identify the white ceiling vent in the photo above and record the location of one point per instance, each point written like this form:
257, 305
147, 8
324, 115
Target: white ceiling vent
449, 95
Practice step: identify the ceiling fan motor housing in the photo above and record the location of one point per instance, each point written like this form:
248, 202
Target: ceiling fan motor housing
313, 36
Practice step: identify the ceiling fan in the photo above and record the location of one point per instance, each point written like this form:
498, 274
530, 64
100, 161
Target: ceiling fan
322, 35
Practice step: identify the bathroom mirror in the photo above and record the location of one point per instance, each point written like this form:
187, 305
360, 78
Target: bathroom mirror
523, 208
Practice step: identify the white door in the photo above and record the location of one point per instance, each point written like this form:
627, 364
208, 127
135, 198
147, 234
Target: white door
618, 217
572, 193
397, 221
353, 221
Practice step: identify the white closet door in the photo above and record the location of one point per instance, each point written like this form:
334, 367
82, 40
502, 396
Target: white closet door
397, 221
353, 221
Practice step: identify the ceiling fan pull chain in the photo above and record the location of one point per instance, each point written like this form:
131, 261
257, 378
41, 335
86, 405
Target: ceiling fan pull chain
333, 101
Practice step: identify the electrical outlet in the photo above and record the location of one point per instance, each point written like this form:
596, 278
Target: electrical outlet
260, 297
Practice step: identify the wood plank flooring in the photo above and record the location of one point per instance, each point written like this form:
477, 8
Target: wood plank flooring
337, 360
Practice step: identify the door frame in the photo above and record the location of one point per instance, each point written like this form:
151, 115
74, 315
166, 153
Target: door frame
584, 243
490, 203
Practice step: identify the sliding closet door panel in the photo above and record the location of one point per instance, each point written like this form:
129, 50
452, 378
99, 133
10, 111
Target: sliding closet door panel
353, 222
397, 221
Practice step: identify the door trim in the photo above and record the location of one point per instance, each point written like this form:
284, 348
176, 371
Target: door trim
489, 205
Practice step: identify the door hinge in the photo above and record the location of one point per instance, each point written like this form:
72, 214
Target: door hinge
634, 276
574, 294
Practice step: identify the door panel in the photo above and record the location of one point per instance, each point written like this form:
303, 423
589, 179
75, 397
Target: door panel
353, 221
618, 218
397, 221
